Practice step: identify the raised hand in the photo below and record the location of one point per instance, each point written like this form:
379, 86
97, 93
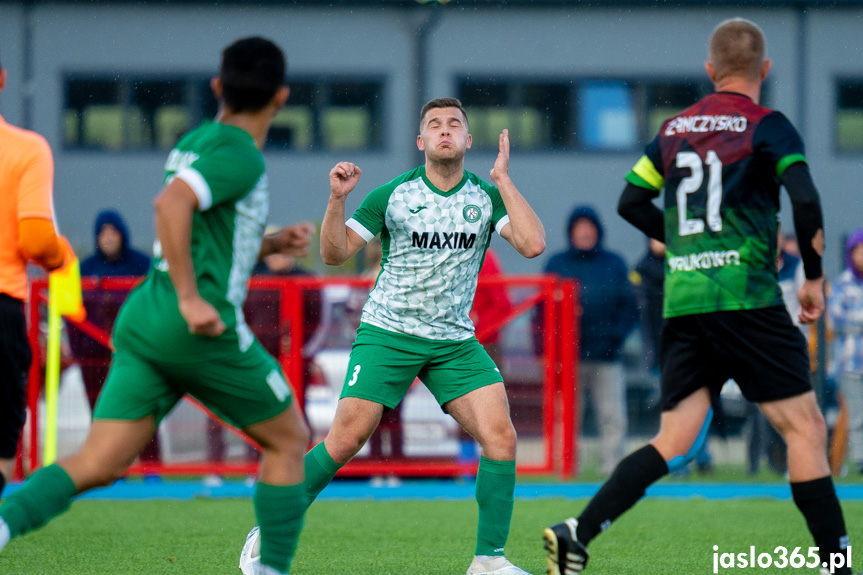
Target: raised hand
343, 178
294, 240
501, 164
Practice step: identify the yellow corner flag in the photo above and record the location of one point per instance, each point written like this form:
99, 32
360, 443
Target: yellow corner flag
64, 299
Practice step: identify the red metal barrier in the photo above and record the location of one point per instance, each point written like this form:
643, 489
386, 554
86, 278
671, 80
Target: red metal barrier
280, 311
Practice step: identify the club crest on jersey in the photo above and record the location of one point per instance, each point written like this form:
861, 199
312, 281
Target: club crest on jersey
472, 213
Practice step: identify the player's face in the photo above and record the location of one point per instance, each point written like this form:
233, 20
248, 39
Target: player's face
444, 134
584, 235
110, 241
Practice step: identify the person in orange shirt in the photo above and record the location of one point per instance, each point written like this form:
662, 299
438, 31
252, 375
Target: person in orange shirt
27, 233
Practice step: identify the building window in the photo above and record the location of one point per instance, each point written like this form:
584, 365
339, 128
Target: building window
151, 113
621, 115
537, 114
608, 115
849, 116
332, 115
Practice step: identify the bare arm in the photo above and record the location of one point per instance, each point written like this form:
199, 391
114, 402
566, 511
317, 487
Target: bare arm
524, 231
339, 243
174, 208
291, 240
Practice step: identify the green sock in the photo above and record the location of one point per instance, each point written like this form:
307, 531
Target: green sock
280, 510
320, 470
495, 486
46, 493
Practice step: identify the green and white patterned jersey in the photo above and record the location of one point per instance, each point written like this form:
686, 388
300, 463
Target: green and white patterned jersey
434, 243
226, 171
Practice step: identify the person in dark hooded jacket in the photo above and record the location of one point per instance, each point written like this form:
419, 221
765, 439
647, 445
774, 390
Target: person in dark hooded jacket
114, 255
608, 315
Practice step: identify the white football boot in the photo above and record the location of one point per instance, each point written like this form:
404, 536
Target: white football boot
250, 556
493, 565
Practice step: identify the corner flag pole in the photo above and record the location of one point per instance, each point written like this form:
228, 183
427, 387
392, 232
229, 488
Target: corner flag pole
64, 298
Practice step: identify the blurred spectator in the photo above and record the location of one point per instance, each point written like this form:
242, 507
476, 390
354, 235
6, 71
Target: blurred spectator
608, 315
490, 305
846, 311
763, 440
788, 245
647, 279
114, 254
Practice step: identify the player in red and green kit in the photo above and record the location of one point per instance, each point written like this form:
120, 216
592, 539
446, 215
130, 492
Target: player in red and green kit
182, 330
720, 164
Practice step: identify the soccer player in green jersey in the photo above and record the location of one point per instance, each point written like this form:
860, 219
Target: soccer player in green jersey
182, 330
435, 223
720, 164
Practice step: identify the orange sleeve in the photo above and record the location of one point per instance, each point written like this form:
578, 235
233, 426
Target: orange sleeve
36, 190
38, 241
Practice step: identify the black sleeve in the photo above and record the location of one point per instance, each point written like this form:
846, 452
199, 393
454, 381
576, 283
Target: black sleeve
636, 207
808, 220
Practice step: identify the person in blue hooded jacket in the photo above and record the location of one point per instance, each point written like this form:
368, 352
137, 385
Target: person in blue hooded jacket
608, 314
114, 255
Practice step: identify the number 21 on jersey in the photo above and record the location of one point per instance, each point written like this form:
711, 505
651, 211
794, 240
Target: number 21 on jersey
692, 183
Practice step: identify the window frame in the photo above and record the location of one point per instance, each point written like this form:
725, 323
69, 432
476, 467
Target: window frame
838, 82
197, 106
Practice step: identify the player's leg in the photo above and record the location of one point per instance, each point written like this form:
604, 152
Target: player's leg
688, 374
682, 430
609, 396
135, 397
354, 422
771, 366
484, 414
468, 385
111, 446
798, 419
15, 359
381, 369
280, 496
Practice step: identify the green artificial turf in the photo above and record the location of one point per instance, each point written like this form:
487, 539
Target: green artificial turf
403, 537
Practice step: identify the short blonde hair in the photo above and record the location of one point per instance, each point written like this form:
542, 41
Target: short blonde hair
737, 47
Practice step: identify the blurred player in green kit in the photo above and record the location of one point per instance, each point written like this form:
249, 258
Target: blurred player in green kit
182, 330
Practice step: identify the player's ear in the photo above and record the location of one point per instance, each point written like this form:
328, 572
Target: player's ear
711, 71
765, 68
469, 141
2, 78
420, 144
282, 96
216, 87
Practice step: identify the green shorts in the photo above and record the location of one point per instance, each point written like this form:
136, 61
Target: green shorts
384, 364
243, 388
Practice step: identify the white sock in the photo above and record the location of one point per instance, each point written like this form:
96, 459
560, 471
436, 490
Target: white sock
4, 534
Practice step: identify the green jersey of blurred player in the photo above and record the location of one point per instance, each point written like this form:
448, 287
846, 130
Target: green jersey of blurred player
182, 330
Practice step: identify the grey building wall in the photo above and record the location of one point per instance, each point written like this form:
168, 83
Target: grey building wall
568, 42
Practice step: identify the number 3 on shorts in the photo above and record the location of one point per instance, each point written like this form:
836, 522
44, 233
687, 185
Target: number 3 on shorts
354, 377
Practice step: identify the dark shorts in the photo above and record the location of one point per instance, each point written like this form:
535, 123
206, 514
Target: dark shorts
15, 358
760, 349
